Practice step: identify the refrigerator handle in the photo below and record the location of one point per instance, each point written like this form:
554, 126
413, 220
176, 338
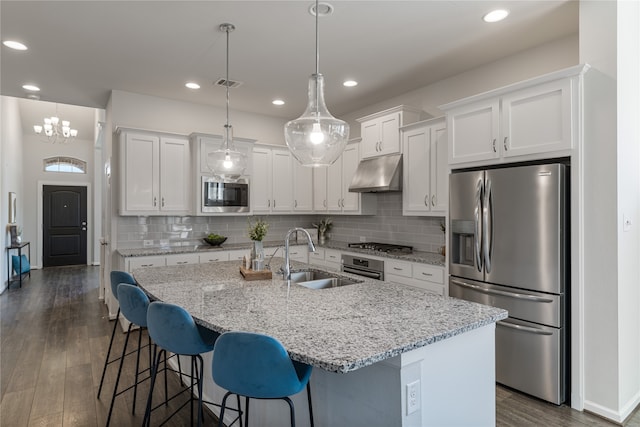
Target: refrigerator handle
487, 226
525, 297
523, 328
477, 231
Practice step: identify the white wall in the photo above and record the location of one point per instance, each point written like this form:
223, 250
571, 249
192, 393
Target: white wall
32, 174
527, 64
11, 153
160, 114
609, 39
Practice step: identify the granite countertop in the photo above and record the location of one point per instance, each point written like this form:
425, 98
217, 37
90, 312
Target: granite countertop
416, 256
337, 329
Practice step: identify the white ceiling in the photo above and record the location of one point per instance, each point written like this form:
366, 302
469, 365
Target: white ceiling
80, 50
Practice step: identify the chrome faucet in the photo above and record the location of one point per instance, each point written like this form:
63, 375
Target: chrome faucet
286, 271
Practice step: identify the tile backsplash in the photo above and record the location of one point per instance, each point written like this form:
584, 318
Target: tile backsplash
387, 226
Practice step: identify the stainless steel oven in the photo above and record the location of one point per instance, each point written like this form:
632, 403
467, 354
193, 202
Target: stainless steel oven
219, 196
362, 266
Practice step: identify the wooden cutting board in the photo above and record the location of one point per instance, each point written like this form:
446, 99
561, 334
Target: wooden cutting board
255, 275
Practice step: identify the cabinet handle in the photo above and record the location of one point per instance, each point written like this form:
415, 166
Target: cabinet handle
504, 143
181, 262
163, 202
269, 203
427, 274
155, 201
494, 145
146, 265
324, 203
274, 203
426, 200
295, 203
433, 200
397, 268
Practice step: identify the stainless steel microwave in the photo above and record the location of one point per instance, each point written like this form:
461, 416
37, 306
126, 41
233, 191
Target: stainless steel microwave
219, 196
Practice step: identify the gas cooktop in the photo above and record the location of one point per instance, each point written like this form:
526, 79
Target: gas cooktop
383, 247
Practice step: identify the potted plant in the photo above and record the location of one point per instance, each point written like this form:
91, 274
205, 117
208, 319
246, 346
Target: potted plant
323, 227
257, 231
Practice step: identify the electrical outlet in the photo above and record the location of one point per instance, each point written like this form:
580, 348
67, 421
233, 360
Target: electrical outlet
413, 397
363, 239
147, 243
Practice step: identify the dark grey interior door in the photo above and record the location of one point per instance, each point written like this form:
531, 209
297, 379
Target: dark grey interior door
65, 225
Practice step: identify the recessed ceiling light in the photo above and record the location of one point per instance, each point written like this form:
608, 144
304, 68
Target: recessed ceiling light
192, 85
277, 102
14, 45
350, 83
495, 15
32, 88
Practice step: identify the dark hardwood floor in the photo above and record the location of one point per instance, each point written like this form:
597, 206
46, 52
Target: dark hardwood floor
54, 335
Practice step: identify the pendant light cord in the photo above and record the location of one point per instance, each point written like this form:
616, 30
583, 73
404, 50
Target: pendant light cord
227, 29
317, 56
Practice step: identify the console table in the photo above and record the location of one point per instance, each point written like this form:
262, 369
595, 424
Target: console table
17, 247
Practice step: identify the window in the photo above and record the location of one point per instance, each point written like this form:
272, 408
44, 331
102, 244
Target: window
65, 164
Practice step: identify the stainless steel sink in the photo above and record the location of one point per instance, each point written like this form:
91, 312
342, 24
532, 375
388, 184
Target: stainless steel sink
320, 280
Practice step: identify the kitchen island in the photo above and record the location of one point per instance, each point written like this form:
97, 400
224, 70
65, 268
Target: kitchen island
384, 354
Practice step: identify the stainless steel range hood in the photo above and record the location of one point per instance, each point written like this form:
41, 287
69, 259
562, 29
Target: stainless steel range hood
378, 174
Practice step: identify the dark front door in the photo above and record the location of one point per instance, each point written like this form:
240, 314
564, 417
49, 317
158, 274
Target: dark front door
65, 225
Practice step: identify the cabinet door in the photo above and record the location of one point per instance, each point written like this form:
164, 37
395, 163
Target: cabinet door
350, 160
389, 134
334, 186
320, 189
537, 119
438, 175
281, 185
416, 157
474, 131
174, 175
370, 132
140, 162
302, 187
261, 181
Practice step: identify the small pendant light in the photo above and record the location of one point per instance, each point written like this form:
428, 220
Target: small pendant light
316, 138
227, 163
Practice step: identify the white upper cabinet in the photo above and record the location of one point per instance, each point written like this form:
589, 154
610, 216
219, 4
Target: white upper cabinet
338, 178
425, 183
302, 186
154, 177
271, 183
381, 131
527, 121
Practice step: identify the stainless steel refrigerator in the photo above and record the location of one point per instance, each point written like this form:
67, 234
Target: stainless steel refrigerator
509, 249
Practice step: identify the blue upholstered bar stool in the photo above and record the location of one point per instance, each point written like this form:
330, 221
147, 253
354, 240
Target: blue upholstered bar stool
173, 330
133, 306
258, 366
116, 277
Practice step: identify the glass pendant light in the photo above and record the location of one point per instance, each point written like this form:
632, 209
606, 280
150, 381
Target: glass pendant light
316, 138
227, 163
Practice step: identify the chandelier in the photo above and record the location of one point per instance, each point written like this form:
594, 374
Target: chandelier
56, 130
316, 138
227, 162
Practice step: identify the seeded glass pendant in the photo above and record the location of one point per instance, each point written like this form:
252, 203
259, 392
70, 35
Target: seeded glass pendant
316, 138
227, 163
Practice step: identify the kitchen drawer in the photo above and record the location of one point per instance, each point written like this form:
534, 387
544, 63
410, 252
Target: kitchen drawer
214, 256
333, 256
183, 259
397, 268
147, 261
429, 273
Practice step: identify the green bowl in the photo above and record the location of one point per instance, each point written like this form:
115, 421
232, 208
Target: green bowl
215, 242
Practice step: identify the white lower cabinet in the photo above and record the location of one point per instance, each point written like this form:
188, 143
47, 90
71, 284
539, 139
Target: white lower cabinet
423, 276
326, 258
146, 261
183, 259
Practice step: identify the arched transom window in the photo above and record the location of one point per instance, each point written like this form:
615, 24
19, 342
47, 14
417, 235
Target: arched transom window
65, 164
